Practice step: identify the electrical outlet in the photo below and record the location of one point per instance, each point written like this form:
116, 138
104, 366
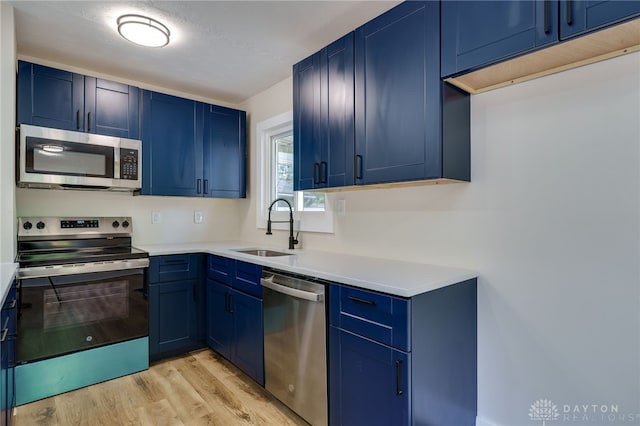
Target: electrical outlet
198, 217
156, 217
341, 207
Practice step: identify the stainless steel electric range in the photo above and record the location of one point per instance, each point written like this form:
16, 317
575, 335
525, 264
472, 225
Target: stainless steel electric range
81, 288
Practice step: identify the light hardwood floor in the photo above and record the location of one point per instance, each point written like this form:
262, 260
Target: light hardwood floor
196, 389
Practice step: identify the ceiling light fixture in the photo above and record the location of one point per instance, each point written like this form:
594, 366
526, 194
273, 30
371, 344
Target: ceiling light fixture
143, 30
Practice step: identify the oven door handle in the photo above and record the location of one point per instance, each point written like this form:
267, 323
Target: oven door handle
81, 268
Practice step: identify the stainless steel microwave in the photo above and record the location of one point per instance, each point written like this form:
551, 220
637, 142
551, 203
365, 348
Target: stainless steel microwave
53, 158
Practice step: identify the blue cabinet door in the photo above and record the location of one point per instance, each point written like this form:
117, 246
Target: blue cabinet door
60, 99
306, 123
397, 86
337, 114
111, 108
50, 97
219, 318
580, 16
248, 348
323, 123
224, 147
478, 33
12, 313
369, 382
172, 316
8, 331
171, 145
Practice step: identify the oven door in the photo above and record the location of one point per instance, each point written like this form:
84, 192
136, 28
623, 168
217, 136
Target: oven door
64, 314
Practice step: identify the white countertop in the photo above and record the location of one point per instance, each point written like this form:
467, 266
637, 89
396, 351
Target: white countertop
394, 277
7, 274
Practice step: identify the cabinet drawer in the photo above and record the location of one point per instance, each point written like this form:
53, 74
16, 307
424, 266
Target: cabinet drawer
377, 316
173, 267
220, 269
247, 278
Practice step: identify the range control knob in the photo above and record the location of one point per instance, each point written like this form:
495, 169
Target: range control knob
115, 224
125, 224
40, 225
27, 225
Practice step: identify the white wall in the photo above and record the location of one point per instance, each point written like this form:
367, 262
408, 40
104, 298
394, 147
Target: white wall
551, 222
7, 132
220, 215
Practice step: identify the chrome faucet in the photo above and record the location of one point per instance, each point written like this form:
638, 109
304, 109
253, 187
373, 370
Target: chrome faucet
292, 241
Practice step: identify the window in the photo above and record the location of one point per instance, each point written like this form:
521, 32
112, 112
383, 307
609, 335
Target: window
282, 177
275, 180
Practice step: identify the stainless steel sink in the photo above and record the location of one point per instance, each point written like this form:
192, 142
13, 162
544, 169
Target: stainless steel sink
263, 253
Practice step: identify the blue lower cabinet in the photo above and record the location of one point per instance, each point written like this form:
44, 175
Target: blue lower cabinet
8, 356
248, 350
421, 371
219, 319
176, 304
368, 382
172, 317
235, 328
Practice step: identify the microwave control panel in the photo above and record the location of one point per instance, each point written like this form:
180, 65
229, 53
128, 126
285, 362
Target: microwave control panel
128, 164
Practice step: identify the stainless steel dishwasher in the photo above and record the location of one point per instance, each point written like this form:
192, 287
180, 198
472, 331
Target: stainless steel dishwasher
295, 354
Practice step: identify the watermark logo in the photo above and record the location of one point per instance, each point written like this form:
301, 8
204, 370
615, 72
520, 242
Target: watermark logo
544, 410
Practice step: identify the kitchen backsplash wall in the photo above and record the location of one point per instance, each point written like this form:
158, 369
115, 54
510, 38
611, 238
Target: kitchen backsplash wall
221, 216
551, 222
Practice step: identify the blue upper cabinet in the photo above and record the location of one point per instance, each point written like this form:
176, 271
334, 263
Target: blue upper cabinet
192, 149
397, 101
50, 97
480, 33
401, 106
111, 108
323, 122
337, 113
60, 99
370, 108
476, 33
225, 139
171, 145
578, 17
306, 123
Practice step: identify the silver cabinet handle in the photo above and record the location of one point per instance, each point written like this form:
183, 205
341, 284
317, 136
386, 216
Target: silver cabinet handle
289, 291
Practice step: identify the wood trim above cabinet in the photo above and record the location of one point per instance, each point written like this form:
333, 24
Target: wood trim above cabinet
386, 185
598, 46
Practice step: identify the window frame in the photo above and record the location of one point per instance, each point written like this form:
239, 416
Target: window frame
306, 220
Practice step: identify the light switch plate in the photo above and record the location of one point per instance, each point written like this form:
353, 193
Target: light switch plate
156, 217
198, 217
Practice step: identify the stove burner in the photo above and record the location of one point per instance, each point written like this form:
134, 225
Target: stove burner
99, 243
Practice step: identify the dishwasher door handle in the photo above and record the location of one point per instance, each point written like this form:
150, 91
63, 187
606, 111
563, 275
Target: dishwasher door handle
290, 291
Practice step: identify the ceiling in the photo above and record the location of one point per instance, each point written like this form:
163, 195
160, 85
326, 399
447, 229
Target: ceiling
220, 50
